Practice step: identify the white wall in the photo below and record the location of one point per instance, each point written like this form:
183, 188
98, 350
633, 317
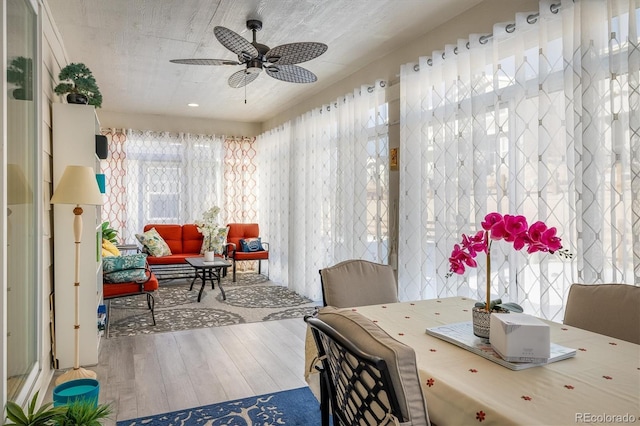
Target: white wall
53, 58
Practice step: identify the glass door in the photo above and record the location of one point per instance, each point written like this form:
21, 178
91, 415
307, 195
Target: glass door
22, 201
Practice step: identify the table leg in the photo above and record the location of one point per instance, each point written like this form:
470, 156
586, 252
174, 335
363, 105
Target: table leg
203, 284
224, 296
195, 275
212, 276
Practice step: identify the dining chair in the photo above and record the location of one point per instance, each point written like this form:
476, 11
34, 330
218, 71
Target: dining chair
367, 377
609, 309
358, 282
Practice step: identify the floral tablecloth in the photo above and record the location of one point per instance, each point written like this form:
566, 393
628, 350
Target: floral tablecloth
601, 384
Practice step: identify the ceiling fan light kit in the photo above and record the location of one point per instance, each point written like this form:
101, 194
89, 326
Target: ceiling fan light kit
278, 62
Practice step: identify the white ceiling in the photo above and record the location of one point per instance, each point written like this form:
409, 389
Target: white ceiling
128, 44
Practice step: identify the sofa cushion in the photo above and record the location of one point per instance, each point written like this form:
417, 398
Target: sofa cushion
154, 243
172, 259
191, 239
120, 289
110, 247
251, 244
170, 233
251, 255
400, 358
120, 269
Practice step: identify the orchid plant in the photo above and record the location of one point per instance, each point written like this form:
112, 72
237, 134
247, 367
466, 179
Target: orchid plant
213, 233
511, 228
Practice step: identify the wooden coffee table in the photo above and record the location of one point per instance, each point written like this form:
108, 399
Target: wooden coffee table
208, 271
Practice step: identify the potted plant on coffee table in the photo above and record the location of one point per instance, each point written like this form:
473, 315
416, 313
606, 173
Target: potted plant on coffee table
513, 229
77, 81
214, 235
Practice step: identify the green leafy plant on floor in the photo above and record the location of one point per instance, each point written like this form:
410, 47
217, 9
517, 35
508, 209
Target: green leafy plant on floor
76, 413
85, 413
46, 415
109, 233
77, 79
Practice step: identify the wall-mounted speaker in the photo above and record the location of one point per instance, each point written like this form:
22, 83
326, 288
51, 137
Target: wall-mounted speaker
102, 149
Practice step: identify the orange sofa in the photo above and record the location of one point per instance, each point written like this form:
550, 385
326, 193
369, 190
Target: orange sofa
183, 241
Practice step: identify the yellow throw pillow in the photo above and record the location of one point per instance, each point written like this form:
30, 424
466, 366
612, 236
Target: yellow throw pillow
106, 253
108, 245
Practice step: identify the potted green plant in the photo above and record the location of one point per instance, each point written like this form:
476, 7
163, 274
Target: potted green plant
77, 413
20, 73
77, 81
109, 233
513, 229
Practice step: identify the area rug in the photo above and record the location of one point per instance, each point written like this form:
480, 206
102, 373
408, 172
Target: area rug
291, 407
251, 298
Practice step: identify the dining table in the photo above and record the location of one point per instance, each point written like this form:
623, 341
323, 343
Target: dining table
599, 385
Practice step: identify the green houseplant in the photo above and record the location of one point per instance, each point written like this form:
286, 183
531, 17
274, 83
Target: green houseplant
77, 81
77, 413
20, 73
109, 233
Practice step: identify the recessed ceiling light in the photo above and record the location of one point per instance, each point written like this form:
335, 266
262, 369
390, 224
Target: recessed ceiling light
192, 105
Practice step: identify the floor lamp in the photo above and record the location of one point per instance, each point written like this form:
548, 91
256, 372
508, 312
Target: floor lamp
78, 185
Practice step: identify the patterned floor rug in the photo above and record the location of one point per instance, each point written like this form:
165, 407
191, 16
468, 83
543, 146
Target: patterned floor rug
295, 407
251, 298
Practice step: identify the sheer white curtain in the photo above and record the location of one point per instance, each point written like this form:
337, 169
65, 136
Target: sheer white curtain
324, 192
170, 178
542, 119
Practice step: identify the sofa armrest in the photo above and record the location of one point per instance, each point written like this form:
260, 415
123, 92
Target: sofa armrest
230, 248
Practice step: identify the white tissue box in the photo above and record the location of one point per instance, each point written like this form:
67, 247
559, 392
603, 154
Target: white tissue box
520, 338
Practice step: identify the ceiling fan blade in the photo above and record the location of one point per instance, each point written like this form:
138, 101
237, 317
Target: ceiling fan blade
294, 53
204, 62
241, 78
291, 73
235, 43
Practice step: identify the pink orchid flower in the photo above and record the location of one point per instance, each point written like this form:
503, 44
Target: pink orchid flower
490, 220
543, 239
511, 228
474, 244
459, 258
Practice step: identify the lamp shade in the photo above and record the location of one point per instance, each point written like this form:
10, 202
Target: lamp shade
77, 185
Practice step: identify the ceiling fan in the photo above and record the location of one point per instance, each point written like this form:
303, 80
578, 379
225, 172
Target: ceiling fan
277, 62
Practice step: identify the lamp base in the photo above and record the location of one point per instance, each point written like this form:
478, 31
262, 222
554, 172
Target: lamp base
76, 373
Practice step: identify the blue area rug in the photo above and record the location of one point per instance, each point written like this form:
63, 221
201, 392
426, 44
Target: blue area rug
291, 407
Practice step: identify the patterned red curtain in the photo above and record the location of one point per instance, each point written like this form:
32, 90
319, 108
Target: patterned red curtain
113, 167
240, 180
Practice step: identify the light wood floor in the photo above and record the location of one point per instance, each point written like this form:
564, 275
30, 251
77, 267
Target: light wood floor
156, 373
